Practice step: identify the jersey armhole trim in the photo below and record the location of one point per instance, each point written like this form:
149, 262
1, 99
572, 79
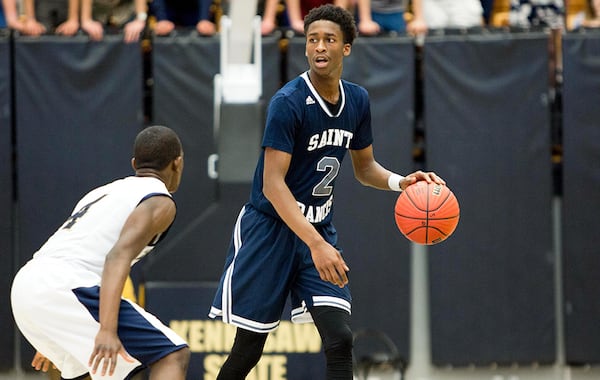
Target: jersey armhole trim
147, 196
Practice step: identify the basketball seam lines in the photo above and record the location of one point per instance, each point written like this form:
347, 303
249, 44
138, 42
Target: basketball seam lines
418, 218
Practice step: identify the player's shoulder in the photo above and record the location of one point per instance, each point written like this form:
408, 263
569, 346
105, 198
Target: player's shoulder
147, 186
131, 187
290, 95
356, 95
354, 88
294, 87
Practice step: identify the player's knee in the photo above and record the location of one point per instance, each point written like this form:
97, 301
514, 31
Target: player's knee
338, 340
248, 345
245, 354
180, 358
334, 327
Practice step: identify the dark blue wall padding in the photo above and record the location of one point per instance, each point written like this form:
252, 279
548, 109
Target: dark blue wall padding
581, 199
78, 109
184, 67
183, 70
378, 255
6, 201
487, 132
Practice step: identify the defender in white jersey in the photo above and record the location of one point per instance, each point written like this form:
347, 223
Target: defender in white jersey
67, 299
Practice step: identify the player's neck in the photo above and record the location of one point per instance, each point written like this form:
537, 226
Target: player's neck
148, 173
328, 88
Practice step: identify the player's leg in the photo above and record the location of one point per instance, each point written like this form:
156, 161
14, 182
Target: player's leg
173, 366
260, 248
245, 353
329, 307
334, 327
147, 341
45, 314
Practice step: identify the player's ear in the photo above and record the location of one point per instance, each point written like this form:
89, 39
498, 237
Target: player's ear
347, 49
133, 163
178, 164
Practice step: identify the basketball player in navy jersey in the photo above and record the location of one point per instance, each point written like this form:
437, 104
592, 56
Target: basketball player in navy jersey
284, 242
67, 299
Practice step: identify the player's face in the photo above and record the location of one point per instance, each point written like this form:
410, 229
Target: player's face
325, 48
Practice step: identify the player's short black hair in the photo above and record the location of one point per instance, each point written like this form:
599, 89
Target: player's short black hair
334, 14
156, 147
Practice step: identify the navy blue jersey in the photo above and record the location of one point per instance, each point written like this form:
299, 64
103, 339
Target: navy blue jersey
300, 123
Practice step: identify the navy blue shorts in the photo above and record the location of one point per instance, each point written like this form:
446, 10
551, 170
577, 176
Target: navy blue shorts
265, 264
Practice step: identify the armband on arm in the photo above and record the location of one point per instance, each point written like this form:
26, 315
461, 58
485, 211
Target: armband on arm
394, 182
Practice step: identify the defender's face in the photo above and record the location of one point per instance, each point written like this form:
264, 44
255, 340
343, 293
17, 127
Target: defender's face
325, 48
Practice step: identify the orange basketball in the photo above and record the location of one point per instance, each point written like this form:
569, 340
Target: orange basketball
427, 213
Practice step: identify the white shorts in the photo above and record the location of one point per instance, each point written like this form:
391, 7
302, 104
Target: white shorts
56, 308
440, 14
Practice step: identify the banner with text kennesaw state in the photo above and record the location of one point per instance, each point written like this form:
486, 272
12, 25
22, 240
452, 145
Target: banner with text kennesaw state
292, 352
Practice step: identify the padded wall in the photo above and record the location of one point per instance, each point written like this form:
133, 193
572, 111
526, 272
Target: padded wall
184, 67
581, 200
378, 255
78, 109
487, 133
6, 203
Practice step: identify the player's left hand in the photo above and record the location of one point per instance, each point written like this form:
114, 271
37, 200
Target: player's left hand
106, 349
419, 175
41, 363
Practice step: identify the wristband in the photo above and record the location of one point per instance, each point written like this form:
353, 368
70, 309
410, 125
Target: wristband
394, 181
142, 16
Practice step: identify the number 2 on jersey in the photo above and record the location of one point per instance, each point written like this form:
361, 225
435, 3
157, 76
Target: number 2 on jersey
331, 165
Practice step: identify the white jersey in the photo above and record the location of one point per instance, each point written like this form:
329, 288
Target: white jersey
55, 297
95, 224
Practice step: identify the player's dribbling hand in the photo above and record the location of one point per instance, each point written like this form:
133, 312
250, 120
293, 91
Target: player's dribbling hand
330, 264
106, 349
419, 175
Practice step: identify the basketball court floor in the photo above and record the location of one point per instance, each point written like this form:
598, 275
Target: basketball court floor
540, 373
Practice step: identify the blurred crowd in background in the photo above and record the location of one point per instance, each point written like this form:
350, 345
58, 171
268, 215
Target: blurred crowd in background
137, 18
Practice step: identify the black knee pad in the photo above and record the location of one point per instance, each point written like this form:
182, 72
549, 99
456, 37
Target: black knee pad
334, 327
249, 345
245, 353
